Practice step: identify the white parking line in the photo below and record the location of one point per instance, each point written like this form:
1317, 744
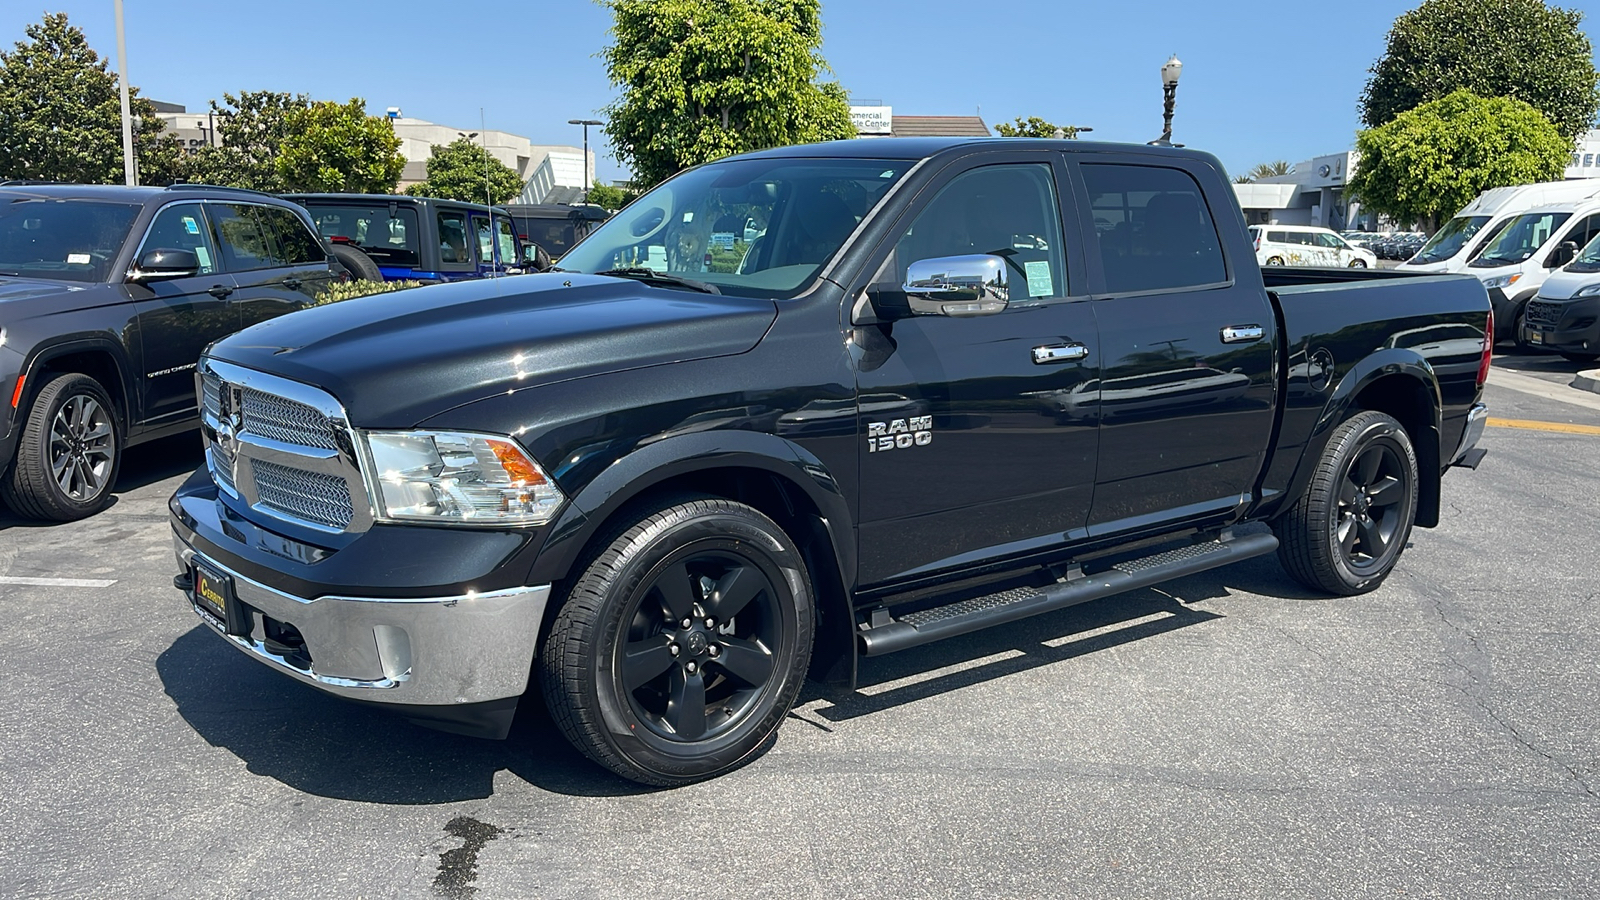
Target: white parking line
57, 582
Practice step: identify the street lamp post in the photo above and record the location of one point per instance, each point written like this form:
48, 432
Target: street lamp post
585, 123
130, 174
1169, 90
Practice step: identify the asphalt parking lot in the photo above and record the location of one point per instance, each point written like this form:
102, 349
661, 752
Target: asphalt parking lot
1226, 735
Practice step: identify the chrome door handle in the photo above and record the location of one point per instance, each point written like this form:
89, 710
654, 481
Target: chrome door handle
1242, 334
1058, 353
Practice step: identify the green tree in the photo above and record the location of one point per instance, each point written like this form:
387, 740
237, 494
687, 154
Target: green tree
252, 129
338, 147
457, 170
1522, 49
703, 79
1433, 160
611, 197
1035, 127
61, 113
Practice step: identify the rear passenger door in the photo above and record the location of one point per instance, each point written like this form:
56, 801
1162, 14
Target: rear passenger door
178, 317
268, 284
1187, 392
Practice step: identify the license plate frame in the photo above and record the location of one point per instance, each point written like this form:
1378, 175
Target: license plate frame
212, 594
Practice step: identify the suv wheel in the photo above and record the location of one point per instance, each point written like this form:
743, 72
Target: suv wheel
1347, 530
69, 453
682, 646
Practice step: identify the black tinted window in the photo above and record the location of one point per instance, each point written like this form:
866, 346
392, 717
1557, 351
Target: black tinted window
244, 244
1153, 228
181, 226
1004, 211
391, 239
296, 245
453, 248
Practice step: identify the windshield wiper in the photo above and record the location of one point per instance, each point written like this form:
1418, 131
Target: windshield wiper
651, 276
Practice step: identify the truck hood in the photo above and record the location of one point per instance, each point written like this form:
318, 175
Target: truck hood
396, 359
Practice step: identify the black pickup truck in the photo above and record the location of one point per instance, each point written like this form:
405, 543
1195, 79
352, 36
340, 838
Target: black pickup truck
802, 406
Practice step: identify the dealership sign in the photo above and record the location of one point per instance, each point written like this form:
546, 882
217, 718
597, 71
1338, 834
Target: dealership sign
872, 119
1586, 160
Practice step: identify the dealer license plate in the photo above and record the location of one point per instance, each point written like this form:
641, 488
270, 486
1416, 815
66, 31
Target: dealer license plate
212, 591
1535, 337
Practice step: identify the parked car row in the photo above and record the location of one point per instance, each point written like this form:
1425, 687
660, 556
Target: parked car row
108, 295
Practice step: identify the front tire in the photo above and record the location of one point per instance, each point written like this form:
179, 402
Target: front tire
69, 454
1347, 531
683, 644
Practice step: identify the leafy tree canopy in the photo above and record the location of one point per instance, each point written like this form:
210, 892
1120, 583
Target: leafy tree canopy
1522, 49
1431, 161
61, 113
611, 197
1035, 127
703, 79
252, 128
457, 171
338, 147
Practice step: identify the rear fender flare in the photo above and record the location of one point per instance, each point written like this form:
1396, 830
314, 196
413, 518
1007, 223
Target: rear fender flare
1341, 402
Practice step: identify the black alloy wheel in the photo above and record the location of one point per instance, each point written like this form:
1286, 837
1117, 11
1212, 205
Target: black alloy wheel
1347, 530
69, 452
683, 644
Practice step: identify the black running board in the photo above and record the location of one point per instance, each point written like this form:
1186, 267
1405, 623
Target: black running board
925, 626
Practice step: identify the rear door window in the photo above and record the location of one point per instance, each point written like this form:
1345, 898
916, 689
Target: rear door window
244, 243
1162, 235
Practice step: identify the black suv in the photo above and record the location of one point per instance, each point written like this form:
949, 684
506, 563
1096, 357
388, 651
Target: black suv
108, 294
403, 238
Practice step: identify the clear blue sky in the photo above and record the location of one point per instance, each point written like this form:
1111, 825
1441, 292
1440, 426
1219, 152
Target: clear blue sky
1261, 81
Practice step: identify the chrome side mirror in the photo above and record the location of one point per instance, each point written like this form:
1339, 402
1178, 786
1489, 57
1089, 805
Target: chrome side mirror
958, 286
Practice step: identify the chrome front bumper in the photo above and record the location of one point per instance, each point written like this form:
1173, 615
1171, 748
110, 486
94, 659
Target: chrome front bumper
1474, 431
434, 651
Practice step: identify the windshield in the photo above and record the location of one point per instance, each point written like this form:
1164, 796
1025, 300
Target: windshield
68, 240
1449, 240
751, 227
1521, 238
1588, 259
390, 239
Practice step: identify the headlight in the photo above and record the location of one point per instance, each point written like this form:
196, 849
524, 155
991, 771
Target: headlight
1588, 290
452, 477
1501, 281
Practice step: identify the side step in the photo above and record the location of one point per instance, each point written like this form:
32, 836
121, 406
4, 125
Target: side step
885, 634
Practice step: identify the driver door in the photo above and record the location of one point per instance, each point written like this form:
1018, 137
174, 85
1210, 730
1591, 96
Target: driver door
973, 447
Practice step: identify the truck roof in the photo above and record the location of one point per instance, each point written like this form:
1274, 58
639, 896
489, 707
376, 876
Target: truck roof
924, 147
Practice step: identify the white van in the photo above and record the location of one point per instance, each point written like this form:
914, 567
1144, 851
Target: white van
1306, 245
1531, 245
1455, 245
1565, 316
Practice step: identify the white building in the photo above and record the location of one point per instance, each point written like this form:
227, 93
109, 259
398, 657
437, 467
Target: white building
551, 173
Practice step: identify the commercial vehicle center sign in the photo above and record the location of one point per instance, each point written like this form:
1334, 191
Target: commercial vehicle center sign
872, 119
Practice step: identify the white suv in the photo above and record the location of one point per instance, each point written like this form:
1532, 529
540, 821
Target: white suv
1305, 245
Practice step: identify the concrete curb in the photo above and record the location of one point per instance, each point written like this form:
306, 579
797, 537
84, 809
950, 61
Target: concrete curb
1587, 381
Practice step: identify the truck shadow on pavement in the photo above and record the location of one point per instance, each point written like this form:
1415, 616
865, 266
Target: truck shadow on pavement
333, 748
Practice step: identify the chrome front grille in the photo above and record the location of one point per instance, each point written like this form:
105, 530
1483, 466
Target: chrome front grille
311, 496
1541, 312
282, 448
285, 420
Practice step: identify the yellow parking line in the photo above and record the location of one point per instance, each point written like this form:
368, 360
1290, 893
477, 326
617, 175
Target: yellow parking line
1529, 425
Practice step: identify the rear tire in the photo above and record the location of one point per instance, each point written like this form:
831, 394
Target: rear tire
358, 264
683, 644
1275, 261
69, 453
1347, 531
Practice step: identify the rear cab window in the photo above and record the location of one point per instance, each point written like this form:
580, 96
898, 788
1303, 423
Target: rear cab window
1160, 236
390, 237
